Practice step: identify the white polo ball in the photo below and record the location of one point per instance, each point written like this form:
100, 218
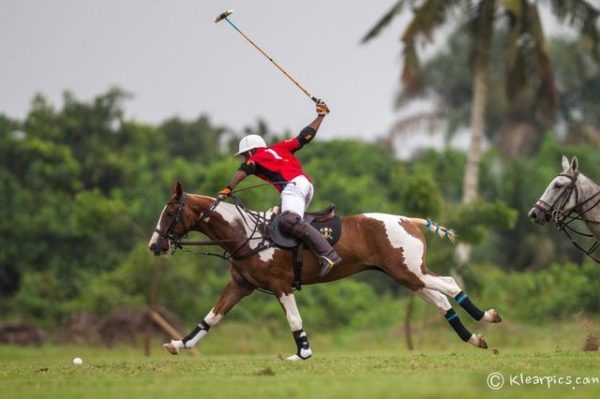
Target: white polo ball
77, 361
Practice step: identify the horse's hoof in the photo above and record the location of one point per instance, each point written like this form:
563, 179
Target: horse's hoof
491, 316
478, 340
173, 350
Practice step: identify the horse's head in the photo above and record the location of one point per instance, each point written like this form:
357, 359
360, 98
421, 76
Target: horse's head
175, 221
557, 201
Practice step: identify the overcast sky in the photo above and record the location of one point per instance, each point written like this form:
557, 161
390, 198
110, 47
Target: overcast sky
177, 61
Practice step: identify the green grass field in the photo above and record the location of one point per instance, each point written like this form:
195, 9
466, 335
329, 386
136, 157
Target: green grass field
234, 364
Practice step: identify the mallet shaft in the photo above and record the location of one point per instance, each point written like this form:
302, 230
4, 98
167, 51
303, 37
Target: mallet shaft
298, 84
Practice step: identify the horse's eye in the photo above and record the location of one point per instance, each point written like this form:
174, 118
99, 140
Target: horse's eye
557, 185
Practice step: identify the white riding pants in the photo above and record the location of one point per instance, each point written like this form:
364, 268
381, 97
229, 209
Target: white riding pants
296, 196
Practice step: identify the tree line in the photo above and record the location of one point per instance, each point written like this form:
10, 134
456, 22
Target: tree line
82, 187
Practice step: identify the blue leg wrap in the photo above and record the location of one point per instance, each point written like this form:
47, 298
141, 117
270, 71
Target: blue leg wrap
457, 325
463, 300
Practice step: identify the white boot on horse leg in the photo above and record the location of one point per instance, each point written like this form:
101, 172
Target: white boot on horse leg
195, 335
303, 351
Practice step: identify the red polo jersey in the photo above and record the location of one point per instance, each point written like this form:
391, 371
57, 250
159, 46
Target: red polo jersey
276, 164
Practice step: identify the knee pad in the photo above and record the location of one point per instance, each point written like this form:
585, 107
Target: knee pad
291, 223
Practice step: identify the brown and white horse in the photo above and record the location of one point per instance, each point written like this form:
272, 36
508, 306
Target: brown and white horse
393, 244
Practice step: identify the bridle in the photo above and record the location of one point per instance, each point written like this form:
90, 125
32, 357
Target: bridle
556, 211
169, 234
563, 217
259, 219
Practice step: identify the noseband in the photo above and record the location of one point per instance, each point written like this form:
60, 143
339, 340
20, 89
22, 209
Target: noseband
556, 211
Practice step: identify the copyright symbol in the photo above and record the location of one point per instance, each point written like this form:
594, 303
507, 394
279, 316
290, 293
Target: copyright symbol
495, 380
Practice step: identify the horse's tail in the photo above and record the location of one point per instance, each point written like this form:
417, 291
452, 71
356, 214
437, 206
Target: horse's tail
435, 228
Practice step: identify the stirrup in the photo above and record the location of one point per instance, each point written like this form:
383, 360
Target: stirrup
326, 265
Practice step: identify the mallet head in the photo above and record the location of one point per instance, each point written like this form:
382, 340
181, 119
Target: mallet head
224, 15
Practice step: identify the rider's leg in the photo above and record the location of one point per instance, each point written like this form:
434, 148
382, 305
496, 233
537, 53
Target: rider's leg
290, 223
294, 200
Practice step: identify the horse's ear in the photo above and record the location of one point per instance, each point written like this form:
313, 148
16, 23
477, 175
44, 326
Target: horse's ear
574, 164
565, 163
177, 189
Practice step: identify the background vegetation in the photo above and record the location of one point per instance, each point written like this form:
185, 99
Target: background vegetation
82, 188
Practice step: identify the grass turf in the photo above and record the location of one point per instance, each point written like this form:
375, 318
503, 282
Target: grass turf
358, 365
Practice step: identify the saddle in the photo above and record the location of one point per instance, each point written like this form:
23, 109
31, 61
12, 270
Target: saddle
325, 222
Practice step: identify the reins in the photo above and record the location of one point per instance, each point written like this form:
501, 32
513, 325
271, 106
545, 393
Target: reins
257, 217
564, 225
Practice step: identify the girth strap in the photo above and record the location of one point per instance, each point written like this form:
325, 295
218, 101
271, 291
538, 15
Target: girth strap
297, 261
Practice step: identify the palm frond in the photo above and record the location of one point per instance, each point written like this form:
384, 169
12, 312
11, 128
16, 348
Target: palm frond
427, 17
548, 95
583, 16
514, 13
384, 21
429, 121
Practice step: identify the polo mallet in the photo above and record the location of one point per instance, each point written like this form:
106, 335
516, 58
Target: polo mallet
228, 13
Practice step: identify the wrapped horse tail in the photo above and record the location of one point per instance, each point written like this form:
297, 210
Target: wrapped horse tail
435, 228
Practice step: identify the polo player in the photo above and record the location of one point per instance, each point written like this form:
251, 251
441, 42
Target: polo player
277, 165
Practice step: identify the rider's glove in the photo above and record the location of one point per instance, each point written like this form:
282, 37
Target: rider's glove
224, 193
322, 108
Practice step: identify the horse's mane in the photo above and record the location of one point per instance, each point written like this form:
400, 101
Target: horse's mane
594, 184
239, 208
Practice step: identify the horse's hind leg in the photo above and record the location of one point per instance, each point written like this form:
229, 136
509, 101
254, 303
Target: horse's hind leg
288, 302
440, 301
448, 286
233, 293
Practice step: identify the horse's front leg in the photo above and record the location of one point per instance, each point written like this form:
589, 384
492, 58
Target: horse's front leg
288, 302
233, 293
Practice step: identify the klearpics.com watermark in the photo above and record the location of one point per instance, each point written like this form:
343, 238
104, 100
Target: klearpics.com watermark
497, 380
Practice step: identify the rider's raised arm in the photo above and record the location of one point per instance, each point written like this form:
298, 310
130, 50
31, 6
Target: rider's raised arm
309, 132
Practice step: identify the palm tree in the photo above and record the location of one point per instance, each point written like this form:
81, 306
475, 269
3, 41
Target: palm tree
526, 55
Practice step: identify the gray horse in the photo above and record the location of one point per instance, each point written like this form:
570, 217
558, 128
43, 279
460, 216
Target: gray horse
570, 196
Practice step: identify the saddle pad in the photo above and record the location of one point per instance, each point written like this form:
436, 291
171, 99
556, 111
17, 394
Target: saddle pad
330, 229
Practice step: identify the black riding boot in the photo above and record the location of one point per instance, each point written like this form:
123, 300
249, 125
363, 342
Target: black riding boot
328, 258
293, 225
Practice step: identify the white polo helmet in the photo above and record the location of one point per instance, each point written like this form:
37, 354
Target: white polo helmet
251, 142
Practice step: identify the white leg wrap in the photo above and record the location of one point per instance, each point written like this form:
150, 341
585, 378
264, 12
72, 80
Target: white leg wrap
192, 342
210, 320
